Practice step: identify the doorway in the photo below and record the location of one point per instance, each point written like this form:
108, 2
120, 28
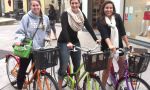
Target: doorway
96, 5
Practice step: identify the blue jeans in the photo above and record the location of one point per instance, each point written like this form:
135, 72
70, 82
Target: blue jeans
64, 59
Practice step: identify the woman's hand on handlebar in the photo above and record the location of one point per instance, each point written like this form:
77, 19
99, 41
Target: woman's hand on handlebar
112, 48
98, 41
129, 47
70, 45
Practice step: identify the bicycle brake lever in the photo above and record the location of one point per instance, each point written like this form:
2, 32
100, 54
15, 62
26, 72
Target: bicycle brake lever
74, 49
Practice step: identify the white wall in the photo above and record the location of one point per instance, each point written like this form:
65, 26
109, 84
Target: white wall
85, 7
119, 6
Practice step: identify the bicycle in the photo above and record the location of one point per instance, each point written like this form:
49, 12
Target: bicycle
133, 65
92, 62
40, 79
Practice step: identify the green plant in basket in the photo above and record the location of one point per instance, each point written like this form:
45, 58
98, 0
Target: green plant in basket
24, 50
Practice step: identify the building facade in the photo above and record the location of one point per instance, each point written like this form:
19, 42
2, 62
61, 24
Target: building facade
91, 9
7, 6
137, 19
136, 15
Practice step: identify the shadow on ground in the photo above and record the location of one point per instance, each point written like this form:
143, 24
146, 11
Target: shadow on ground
3, 53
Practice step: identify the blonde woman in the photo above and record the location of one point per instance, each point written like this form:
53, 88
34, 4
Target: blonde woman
32, 21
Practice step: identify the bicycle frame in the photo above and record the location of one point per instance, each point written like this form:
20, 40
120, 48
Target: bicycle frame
70, 75
126, 74
36, 73
74, 82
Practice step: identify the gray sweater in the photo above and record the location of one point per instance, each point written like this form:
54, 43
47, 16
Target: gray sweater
28, 26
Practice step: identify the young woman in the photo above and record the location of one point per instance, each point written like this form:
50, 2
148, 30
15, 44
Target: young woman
112, 31
52, 17
32, 21
72, 21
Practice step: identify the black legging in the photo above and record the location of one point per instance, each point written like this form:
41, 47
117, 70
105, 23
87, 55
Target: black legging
53, 27
24, 62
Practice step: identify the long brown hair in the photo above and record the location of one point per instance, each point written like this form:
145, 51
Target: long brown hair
102, 14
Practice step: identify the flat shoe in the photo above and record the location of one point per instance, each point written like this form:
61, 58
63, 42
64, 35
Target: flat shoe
54, 39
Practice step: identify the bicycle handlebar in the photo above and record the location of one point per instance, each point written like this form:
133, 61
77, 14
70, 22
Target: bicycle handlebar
121, 51
85, 49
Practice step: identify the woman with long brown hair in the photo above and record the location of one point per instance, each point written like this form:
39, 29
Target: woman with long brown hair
112, 32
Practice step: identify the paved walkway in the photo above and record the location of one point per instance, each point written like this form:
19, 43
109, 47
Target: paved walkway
6, 21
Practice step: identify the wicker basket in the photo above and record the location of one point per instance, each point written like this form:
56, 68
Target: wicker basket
95, 61
46, 58
139, 63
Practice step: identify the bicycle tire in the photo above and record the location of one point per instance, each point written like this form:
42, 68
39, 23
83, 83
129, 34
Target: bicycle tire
94, 80
12, 70
52, 83
137, 84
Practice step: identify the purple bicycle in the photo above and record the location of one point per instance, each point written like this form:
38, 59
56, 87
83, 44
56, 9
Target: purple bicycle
134, 65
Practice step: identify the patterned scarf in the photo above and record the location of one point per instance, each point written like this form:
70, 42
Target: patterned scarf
76, 21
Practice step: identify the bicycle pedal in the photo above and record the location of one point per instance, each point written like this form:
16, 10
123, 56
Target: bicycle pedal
43, 72
109, 84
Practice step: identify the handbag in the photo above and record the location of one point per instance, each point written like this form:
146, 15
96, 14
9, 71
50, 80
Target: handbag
24, 50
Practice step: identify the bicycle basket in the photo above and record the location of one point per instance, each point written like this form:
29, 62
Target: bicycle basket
46, 58
95, 61
138, 63
23, 51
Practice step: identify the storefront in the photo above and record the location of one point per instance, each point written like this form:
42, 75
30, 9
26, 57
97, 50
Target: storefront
137, 19
91, 9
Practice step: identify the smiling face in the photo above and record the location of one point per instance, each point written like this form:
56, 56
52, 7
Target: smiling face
108, 10
75, 4
35, 7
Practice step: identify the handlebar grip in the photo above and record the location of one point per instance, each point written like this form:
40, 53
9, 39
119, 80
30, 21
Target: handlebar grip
121, 52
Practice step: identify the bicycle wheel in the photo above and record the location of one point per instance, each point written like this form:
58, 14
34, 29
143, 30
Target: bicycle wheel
134, 83
12, 67
92, 83
47, 83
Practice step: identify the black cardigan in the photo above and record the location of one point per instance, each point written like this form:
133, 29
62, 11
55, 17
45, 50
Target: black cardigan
68, 35
105, 31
